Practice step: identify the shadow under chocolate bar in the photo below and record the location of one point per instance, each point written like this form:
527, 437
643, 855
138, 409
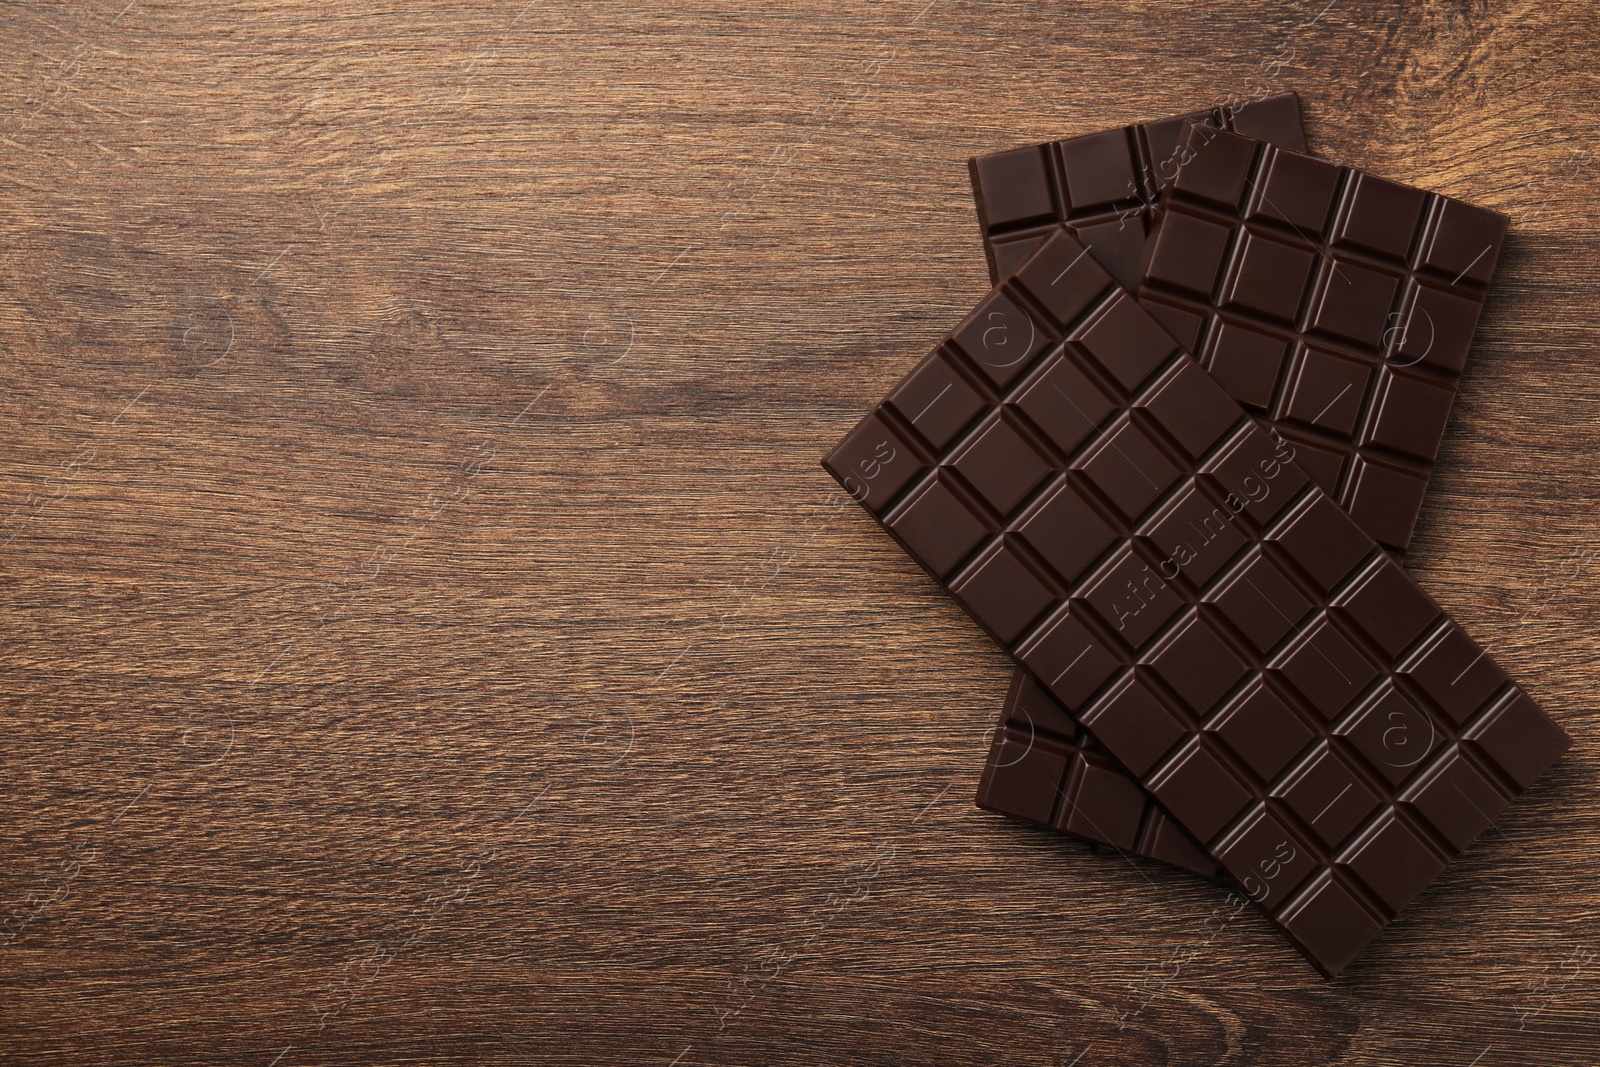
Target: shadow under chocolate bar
1048, 464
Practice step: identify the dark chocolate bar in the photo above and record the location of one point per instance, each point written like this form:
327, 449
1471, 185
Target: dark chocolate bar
1154, 557
1044, 767
1338, 305
1101, 186
1380, 467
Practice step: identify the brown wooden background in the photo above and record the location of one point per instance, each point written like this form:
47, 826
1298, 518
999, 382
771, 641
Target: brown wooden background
427, 636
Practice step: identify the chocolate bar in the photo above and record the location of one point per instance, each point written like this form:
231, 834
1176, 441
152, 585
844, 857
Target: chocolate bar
1339, 305
1404, 396
1159, 563
1101, 187
1044, 767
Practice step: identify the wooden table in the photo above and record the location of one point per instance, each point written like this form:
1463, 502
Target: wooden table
427, 635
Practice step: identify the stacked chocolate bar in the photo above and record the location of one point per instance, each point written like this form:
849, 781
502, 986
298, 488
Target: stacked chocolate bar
1171, 463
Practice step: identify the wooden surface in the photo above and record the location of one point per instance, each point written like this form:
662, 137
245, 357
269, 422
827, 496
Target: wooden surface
427, 636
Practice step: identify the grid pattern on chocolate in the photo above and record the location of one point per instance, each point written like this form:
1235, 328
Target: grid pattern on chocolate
1043, 767
1014, 197
1338, 305
1157, 561
1101, 186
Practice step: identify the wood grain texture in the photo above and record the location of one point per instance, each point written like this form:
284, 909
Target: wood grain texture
427, 636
